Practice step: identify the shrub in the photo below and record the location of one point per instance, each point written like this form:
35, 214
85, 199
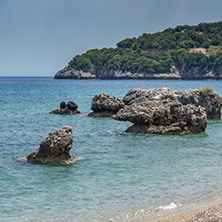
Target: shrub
207, 90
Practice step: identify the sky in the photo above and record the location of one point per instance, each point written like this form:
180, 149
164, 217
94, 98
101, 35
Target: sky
40, 37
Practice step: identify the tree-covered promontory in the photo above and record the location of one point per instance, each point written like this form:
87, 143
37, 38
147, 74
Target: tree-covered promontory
184, 52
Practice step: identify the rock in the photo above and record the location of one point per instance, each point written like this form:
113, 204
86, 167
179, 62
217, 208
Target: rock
163, 117
72, 106
162, 111
142, 95
212, 102
55, 149
190, 74
66, 109
104, 105
62, 105
68, 73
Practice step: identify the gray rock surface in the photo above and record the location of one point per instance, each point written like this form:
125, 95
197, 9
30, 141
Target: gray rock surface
104, 105
163, 117
212, 102
162, 111
55, 149
68, 73
66, 109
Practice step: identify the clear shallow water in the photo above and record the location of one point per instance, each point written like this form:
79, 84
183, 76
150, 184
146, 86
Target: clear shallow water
120, 172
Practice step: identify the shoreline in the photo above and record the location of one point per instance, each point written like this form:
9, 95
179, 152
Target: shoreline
203, 209
207, 209
177, 79
204, 214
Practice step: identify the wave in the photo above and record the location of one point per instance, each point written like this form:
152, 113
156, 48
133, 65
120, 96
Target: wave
21, 160
143, 214
169, 206
80, 158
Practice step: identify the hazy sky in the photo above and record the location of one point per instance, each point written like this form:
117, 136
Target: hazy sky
39, 37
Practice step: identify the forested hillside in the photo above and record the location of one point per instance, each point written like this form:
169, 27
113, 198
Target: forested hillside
166, 52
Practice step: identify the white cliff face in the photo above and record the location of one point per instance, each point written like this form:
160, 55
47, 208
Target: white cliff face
68, 73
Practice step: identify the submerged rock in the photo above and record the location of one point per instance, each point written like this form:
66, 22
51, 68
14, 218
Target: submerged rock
212, 102
104, 105
66, 109
55, 149
163, 117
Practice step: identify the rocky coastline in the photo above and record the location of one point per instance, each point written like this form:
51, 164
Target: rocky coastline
68, 73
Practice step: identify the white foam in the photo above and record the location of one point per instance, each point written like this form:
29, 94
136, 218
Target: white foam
169, 206
22, 160
80, 158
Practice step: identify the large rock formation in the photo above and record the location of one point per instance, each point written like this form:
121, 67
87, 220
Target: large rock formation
212, 102
104, 105
162, 111
55, 149
163, 117
65, 109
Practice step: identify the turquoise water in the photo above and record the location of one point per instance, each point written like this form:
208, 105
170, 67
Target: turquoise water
120, 174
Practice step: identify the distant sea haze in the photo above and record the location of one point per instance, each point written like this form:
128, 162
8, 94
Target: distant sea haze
120, 176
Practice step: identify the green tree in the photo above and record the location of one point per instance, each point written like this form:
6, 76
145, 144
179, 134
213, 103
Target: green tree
126, 43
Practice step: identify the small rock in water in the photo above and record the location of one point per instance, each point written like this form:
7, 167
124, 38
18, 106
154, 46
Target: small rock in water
62, 105
65, 109
72, 106
55, 149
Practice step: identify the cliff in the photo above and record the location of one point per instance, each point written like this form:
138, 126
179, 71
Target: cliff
67, 73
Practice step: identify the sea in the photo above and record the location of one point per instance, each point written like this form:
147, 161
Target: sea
119, 176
